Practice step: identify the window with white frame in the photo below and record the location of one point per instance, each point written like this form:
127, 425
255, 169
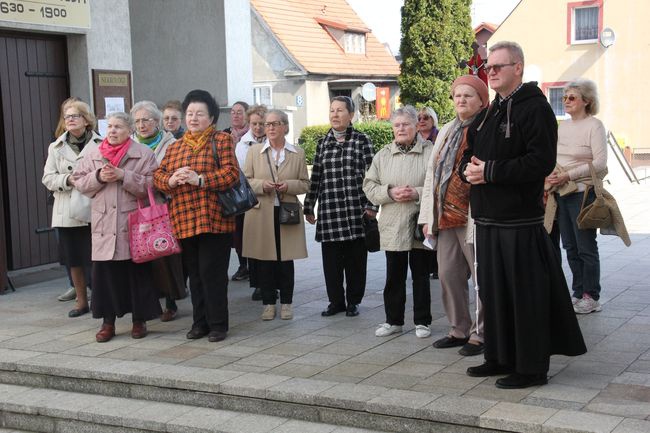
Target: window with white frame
555, 95
263, 95
585, 24
354, 43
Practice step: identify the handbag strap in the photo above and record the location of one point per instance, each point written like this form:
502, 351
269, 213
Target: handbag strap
598, 185
152, 198
268, 159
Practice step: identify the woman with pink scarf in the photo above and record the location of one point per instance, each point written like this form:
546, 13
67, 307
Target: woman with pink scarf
114, 175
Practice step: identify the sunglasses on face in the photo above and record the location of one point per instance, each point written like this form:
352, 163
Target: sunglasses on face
570, 98
423, 117
497, 68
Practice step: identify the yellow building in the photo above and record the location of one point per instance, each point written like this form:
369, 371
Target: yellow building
606, 41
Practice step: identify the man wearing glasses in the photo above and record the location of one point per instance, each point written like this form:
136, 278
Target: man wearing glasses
511, 149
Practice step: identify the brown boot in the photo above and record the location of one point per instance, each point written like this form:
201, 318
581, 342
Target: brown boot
139, 330
106, 332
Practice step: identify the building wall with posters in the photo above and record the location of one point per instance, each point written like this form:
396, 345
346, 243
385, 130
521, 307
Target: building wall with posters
48, 51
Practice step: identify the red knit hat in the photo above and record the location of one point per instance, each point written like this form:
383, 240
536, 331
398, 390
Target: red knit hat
477, 84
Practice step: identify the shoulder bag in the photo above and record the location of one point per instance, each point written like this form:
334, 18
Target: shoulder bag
289, 212
237, 199
597, 214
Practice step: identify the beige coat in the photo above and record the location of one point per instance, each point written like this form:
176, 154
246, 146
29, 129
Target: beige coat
427, 199
390, 167
112, 202
61, 162
259, 235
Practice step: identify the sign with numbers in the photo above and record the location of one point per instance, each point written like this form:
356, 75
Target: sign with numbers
65, 13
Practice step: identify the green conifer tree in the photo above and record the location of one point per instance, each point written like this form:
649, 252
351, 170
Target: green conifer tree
436, 36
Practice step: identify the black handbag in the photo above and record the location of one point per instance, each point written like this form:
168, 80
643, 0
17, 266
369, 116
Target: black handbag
371, 233
289, 212
237, 199
418, 233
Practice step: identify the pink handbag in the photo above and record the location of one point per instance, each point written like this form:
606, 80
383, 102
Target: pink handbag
150, 232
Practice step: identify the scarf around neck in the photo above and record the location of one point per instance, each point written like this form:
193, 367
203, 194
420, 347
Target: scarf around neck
114, 154
238, 133
447, 158
151, 142
197, 141
77, 143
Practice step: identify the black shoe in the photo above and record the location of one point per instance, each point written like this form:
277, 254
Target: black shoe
518, 381
332, 310
257, 294
215, 336
196, 333
488, 368
241, 274
470, 349
352, 310
449, 341
78, 312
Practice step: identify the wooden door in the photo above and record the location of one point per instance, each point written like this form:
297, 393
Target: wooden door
33, 83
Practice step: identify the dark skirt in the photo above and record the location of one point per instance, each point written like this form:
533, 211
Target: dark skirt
168, 277
75, 246
121, 287
528, 311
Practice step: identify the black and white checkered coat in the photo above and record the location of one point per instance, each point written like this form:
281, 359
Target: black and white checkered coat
336, 183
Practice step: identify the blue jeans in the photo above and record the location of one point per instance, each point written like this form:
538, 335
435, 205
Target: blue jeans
580, 245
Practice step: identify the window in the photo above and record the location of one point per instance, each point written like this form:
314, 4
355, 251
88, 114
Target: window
584, 21
554, 92
263, 95
354, 43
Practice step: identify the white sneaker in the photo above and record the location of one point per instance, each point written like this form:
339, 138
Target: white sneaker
575, 300
385, 330
68, 295
422, 331
269, 312
587, 305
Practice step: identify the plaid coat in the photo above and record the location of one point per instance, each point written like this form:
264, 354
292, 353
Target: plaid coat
336, 183
194, 210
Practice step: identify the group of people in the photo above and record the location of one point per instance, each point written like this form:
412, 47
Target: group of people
471, 191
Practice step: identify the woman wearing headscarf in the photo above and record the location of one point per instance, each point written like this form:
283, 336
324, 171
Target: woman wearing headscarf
444, 211
167, 271
581, 142
194, 169
277, 172
115, 175
394, 181
342, 158
256, 134
70, 213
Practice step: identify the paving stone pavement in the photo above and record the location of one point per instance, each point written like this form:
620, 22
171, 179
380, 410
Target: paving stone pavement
607, 389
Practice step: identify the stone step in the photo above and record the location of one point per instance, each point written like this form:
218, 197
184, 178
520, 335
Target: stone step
50, 411
4, 430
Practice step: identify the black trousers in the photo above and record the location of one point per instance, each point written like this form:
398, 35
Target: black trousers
274, 275
397, 264
345, 259
206, 258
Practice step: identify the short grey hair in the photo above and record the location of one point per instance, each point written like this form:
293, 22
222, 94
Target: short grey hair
514, 49
589, 93
283, 116
150, 108
406, 111
432, 113
124, 117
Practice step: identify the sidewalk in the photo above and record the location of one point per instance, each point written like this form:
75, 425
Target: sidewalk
607, 389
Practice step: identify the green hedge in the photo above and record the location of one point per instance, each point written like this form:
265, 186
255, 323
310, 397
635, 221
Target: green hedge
381, 134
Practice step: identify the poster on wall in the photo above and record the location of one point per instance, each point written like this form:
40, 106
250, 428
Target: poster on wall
383, 103
111, 93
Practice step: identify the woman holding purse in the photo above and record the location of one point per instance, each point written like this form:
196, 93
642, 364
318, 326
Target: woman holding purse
277, 172
115, 175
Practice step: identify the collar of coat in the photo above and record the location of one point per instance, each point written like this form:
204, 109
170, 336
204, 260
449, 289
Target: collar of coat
60, 145
417, 148
288, 146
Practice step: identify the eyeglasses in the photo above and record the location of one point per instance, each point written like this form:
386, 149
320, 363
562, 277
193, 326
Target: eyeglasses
143, 120
570, 98
72, 116
171, 119
273, 124
424, 117
497, 68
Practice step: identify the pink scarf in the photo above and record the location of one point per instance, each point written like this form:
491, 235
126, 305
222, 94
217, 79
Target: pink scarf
114, 153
